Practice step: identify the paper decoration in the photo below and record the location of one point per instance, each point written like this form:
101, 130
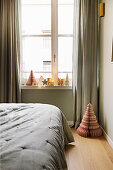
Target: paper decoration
89, 125
31, 81
67, 80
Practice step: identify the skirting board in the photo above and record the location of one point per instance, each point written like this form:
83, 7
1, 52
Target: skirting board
107, 138
70, 123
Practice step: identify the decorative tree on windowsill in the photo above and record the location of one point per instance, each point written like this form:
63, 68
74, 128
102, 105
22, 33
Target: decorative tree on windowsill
31, 80
89, 125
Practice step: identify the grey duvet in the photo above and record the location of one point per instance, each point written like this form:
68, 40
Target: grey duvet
32, 137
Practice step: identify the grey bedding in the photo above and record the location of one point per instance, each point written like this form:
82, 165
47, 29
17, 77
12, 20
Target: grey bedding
32, 137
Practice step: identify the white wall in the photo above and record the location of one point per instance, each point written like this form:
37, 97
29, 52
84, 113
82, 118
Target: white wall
106, 69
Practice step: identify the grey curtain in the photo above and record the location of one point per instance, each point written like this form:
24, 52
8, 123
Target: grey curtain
9, 51
85, 72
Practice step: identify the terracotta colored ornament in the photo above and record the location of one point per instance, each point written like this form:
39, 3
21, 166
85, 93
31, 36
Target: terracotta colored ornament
89, 125
48, 80
31, 80
59, 81
62, 82
51, 83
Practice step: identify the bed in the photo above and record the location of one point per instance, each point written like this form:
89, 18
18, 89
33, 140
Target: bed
32, 137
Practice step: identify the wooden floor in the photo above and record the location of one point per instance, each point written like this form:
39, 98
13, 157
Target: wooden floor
89, 154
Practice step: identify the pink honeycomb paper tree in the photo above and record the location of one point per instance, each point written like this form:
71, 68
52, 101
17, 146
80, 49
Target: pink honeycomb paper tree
31, 80
89, 125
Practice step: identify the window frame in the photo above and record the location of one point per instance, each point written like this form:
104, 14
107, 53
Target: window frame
54, 41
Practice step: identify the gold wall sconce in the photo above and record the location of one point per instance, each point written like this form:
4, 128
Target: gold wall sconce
112, 53
102, 9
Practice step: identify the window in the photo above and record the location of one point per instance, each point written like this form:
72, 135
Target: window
47, 39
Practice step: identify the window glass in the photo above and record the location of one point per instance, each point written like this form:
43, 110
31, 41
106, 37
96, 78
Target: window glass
36, 17
36, 51
65, 54
65, 57
65, 17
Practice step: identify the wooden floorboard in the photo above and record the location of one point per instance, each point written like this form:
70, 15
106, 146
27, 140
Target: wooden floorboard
89, 154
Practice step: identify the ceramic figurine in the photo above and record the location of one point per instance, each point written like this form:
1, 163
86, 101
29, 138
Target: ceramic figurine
41, 79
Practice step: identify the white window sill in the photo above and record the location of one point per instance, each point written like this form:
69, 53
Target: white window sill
47, 87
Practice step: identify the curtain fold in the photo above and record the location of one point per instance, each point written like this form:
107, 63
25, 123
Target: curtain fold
85, 77
9, 51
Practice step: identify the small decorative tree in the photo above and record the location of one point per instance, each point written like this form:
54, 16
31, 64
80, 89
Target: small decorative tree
89, 125
31, 80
